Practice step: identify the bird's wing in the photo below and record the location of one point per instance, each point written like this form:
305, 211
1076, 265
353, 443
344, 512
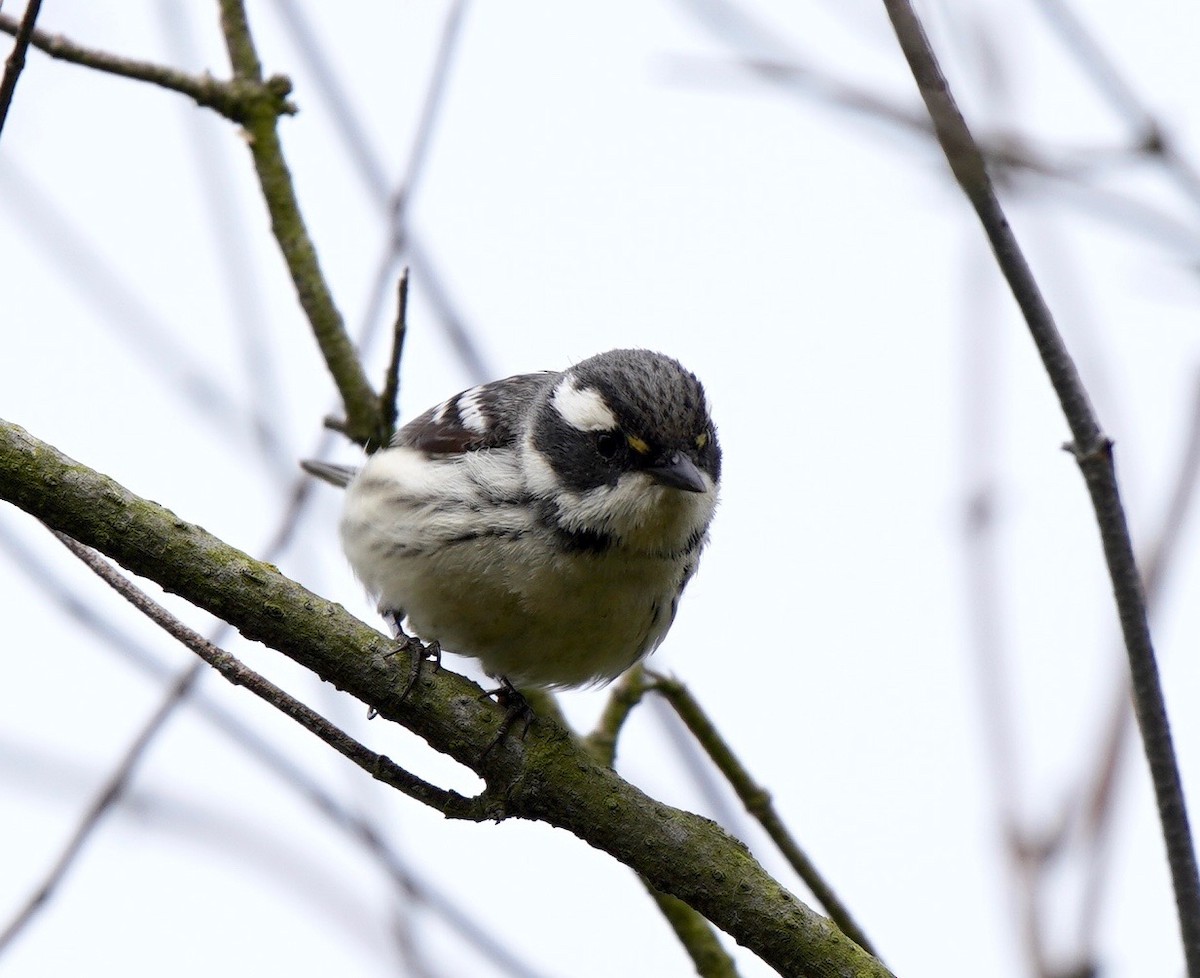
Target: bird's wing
487, 416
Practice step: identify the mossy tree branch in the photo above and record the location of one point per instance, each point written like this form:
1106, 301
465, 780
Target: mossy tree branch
546, 776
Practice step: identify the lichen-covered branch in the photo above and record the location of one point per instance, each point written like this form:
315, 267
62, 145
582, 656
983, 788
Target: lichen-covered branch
547, 775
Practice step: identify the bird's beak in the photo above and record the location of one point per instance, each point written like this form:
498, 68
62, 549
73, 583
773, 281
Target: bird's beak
680, 472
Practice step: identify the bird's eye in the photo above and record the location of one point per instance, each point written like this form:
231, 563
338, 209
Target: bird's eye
607, 444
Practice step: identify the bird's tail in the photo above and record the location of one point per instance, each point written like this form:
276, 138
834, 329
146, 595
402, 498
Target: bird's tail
335, 475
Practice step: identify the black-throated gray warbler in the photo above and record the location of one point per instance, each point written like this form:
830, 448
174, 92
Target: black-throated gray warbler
545, 524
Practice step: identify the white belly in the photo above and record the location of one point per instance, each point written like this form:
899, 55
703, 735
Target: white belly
532, 616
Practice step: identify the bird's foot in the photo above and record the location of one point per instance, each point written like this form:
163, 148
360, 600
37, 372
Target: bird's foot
414, 647
516, 707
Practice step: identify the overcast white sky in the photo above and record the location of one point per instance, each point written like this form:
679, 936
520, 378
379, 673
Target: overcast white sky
606, 175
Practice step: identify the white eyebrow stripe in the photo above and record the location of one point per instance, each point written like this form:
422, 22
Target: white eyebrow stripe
470, 411
582, 407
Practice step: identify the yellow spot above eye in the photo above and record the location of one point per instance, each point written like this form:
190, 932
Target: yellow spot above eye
702, 439
638, 445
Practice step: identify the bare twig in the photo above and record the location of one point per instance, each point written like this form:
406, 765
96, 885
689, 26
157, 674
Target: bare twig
16, 59
758, 803
693, 931
119, 307
230, 99
696, 935
388, 407
1093, 452
422, 891
113, 788
626, 694
374, 176
1153, 137
118, 782
1099, 797
379, 766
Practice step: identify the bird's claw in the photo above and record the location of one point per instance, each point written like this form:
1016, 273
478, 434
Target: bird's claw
516, 707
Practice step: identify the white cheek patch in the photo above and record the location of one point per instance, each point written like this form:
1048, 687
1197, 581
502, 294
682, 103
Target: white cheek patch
582, 408
470, 412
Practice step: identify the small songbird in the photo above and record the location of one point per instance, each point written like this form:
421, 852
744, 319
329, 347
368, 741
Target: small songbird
545, 524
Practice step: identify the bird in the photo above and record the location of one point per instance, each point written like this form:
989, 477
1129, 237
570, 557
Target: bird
545, 524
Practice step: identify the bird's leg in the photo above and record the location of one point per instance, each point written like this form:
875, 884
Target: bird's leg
413, 645
516, 707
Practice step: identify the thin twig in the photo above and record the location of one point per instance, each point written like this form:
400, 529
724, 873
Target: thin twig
1093, 452
389, 408
114, 786
233, 100
379, 766
373, 174
602, 741
422, 891
16, 59
118, 782
696, 935
758, 803
626, 694
1153, 137
693, 931
435, 94
760, 51
1100, 796
119, 307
